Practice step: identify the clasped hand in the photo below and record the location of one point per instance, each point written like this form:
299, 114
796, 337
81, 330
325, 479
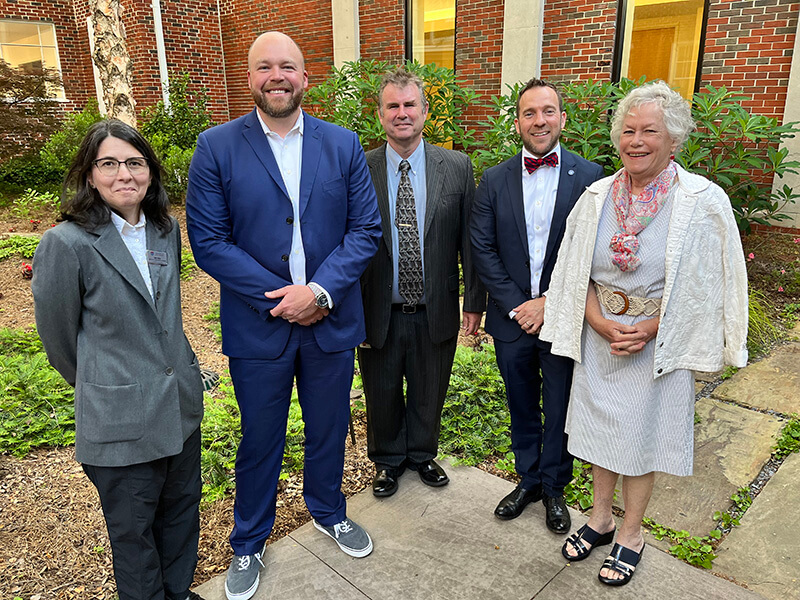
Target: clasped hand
297, 305
626, 340
530, 315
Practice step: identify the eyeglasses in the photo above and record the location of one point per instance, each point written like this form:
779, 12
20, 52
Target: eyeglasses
110, 166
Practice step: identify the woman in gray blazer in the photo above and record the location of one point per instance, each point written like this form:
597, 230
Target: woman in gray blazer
107, 297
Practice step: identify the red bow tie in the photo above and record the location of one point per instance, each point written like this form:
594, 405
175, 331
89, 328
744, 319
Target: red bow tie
531, 164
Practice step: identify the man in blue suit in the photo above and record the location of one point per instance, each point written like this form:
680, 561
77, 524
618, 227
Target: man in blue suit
282, 212
518, 222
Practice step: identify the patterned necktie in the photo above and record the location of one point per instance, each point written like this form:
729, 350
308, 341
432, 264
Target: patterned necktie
409, 257
531, 164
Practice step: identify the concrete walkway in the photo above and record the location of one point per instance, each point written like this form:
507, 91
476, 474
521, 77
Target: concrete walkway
446, 544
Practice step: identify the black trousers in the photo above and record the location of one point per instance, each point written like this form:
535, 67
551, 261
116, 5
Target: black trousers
153, 520
540, 450
405, 429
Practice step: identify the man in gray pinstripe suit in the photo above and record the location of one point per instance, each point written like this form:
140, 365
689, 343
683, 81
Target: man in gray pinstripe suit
411, 287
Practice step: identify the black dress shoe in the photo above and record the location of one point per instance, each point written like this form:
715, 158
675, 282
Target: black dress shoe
431, 473
385, 482
512, 505
556, 514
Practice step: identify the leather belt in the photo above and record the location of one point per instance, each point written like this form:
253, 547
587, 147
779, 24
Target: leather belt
408, 309
619, 303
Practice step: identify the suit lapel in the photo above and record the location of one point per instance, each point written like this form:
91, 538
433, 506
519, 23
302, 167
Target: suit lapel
434, 180
258, 142
564, 201
377, 169
312, 147
514, 183
113, 249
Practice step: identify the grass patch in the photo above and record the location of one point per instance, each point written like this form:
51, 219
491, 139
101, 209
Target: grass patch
761, 332
213, 318
36, 404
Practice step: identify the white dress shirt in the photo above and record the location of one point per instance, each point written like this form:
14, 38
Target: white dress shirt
135, 239
288, 153
416, 175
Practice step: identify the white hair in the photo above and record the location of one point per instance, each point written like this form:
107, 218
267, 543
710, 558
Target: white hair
675, 111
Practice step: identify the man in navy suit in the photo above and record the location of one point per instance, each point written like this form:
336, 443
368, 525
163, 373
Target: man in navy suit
517, 224
282, 212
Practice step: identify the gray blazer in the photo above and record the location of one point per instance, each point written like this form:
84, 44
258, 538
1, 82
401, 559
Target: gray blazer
138, 393
450, 189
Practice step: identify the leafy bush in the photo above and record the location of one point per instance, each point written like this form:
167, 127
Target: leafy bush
32, 202
25, 171
58, 152
36, 404
349, 97
21, 245
475, 418
188, 265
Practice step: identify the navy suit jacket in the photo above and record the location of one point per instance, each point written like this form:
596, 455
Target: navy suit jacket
239, 220
500, 238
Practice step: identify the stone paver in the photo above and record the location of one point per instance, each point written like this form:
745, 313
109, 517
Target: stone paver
446, 544
731, 446
764, 552
771, 384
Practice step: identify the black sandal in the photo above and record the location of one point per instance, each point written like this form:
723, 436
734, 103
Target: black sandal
623, 561
591, 536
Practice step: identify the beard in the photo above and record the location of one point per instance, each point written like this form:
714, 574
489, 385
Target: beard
277, 108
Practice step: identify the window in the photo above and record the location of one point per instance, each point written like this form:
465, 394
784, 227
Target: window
30, 47
431, 32
661, 39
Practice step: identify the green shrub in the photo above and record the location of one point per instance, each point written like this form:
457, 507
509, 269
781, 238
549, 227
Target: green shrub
60, 149
32, 202
36, 404
349, 97
475, 418
188, 266
26, 171
172, 132
21, 245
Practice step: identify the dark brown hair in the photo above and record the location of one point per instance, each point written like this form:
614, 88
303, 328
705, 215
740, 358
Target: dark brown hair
536, 82
83, 204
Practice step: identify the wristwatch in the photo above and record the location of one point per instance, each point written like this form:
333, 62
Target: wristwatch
320, 297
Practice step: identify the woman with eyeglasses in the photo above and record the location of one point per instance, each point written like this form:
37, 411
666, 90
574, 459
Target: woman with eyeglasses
107, 298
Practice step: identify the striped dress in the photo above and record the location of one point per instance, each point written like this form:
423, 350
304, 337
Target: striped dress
619, 417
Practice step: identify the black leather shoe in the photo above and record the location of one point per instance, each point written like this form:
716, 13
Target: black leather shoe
431, 473
385, 482
556, 514
512, 505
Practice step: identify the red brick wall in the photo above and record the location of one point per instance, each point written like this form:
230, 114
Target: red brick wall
578, 39
71, 39
382, 30
749, 49
479, 50
308, 22
193, 45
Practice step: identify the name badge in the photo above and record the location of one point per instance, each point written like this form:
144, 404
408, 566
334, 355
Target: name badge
154, 257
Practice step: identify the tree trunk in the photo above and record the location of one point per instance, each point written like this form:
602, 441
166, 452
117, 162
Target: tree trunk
112, 60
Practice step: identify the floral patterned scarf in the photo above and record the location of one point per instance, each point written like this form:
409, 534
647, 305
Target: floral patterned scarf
634, 214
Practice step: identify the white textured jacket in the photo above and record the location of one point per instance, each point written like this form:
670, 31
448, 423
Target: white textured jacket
704, 308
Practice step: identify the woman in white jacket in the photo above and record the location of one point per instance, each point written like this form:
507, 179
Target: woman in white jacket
652, 262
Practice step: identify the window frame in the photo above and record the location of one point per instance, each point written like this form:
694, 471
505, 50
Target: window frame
408, 51
616, 63
59, 93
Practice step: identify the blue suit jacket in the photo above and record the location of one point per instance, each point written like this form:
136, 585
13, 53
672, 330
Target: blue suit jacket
239, 220
500, 238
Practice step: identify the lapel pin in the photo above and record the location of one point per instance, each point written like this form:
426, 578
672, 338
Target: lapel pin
571, 172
